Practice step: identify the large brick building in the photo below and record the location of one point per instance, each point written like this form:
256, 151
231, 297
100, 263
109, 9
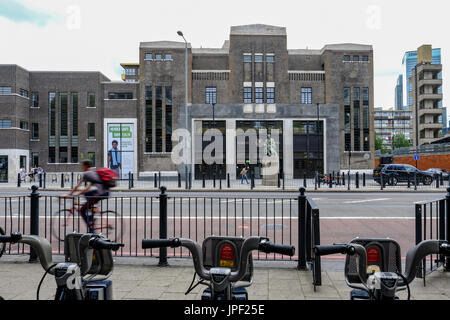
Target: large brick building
55, 119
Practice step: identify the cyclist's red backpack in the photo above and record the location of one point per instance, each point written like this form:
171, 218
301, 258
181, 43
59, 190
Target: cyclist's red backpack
108, 177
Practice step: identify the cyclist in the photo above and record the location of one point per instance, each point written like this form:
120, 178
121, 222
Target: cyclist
92, 196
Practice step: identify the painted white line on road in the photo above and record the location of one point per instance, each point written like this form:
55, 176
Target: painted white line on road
368, 200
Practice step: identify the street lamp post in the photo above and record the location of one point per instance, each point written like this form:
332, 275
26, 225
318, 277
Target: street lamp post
185, 98
214, 127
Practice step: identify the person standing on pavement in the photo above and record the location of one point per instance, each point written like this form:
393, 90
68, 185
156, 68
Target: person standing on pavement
114, 161
244, 175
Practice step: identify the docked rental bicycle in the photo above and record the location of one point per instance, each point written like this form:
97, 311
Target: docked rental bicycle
222, 262
373, 266
68, 220
84, 275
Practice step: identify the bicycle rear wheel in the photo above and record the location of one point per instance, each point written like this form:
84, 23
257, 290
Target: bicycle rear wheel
108, 224
64, 222
2, 245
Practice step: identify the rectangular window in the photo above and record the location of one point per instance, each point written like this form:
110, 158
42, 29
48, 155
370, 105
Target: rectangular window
306, 95
365, 117
270, 58
168, 119
130, 71
91, 156
5, 90
120, 95
347, 96
365, 58
130, 80
148, 56
258, 58
347, 119
63, 113
23, 93
248, 95
74, 115
74, 155
91, 100
270, 96
355, 58
91, 131
4, 124
247, 58
35, 159
365, 96
35, 131
211, 95
35, 100
356, 94
346, 58
24, 125
51, 155
158, 118
52, 114
357, 140
148, 118
158, 56
63, 155
259, 95
168, 56
366, 140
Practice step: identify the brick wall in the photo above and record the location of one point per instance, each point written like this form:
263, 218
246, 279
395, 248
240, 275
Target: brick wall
426, 162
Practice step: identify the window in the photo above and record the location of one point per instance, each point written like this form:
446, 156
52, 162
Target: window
91, 131
23, 93
35, 131
347, 96
35, 100
148, 118
74, 116
74, 155
158, 118
5, 124
63, 114
168, 119
270, 96
259, 95
51, 155
120, 95
365, 58
168, 56
365, 95
158, 56
91, 156
247, 58
130, 80
270, 58
52, 114
91, 100
346, 58
63, 155
148, 56
5, 90
130, 71
258, 58
248, 95
211, 95
35, 159
306, 95
355, 58
24, 125
356, 94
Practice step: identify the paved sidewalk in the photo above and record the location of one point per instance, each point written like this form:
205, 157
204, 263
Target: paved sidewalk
141, 279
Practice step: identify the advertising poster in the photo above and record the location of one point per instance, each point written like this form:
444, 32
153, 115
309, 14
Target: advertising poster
121, 148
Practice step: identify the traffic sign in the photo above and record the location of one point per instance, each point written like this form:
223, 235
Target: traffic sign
416, 157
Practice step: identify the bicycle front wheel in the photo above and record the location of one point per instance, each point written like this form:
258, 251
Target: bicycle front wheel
108, 224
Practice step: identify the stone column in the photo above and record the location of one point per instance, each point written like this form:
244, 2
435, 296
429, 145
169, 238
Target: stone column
231, 148
288, 148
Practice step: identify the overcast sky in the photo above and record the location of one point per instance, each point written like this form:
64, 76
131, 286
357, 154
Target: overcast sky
98, 35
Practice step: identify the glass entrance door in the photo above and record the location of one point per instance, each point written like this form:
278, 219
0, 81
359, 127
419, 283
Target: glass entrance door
3, 168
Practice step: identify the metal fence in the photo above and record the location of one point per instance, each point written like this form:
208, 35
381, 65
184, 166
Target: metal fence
433, 222
342, 180
283, 219
422, 150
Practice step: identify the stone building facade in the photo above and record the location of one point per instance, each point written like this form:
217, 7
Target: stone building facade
321, 100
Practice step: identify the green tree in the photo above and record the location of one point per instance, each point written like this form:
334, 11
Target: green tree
379, 145
400, 141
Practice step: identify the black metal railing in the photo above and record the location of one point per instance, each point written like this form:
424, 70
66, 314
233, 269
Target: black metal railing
433, 222
284, 219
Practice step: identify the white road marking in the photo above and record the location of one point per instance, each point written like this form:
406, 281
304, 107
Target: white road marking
367, 200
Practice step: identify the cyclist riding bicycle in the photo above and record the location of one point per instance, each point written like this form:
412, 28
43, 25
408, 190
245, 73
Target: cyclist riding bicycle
93, 179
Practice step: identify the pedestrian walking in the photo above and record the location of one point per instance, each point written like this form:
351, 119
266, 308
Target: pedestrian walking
244, 175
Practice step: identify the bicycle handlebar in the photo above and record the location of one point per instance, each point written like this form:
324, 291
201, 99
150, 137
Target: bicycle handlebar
337, 248
99, 244
161, 243
13, 238
268, 247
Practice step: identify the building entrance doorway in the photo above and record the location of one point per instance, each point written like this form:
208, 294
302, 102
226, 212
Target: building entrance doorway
3, 169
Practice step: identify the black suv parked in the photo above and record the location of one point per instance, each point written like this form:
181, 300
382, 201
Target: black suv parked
395, 173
